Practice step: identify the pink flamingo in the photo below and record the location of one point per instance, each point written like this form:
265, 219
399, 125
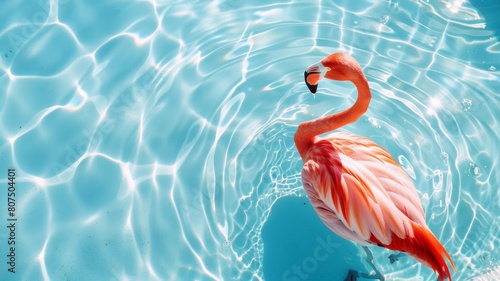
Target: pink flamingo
358, 190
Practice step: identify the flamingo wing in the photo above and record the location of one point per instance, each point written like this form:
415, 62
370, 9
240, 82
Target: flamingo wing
359, 191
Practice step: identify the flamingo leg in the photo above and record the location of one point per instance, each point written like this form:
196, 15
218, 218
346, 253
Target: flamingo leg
369, 260
395, 257
353, 275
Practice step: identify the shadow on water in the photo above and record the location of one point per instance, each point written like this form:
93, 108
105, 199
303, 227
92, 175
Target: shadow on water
490, 10
298, 246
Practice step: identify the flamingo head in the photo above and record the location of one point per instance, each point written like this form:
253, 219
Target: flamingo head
337, 66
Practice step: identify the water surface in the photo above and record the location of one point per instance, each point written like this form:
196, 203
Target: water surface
153, 140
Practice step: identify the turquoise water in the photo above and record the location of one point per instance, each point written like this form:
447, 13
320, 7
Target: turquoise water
153, 140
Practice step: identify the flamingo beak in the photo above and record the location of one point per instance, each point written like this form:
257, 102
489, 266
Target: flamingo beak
312, 76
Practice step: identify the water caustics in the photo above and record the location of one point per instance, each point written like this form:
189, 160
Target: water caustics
156, 147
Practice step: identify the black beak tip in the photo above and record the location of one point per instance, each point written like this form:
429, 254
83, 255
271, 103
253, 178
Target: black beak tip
312, 88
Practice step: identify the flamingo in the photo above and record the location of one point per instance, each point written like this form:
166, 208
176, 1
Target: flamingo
355, 186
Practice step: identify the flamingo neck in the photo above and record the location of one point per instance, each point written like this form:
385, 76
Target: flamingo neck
309, 130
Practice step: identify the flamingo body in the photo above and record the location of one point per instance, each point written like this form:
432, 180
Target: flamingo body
356, 187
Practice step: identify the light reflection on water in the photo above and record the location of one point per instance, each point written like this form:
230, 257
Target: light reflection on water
155, 147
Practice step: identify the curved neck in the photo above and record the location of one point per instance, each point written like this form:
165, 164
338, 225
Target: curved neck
307, 131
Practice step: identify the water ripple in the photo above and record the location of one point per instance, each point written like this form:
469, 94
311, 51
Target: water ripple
156, 133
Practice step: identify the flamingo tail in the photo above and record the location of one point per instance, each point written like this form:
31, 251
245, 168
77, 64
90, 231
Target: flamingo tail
425, 248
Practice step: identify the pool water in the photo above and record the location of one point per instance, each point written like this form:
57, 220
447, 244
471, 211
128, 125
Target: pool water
153, 140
